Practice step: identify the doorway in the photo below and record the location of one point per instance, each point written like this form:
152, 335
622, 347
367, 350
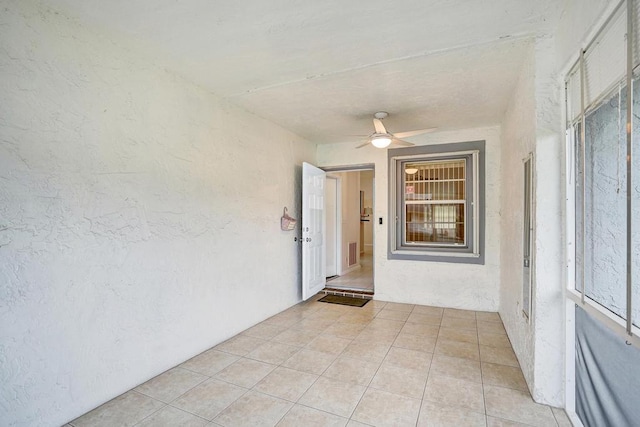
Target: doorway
349, 207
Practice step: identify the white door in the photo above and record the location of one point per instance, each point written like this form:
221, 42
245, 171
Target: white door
313, 263
331, 225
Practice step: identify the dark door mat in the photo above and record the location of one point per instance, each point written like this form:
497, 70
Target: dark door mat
338, 299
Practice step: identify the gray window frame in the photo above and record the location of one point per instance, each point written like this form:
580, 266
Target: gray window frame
472, 252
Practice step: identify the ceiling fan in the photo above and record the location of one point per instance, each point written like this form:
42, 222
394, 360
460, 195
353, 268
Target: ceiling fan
382, 138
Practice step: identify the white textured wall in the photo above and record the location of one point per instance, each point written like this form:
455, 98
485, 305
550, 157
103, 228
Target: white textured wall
532, 124
468, 286
518, 140
139, 218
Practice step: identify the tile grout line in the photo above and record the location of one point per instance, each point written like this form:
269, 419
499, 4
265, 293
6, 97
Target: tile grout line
424, 390
374, 375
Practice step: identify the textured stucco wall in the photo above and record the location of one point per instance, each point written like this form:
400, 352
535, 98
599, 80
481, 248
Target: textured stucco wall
473, 287
139, 218
533, 125
518, 140
549, 221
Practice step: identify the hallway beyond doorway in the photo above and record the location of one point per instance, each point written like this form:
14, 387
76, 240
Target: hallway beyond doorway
360, 279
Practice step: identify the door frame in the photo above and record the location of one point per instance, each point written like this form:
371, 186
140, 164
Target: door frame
356, 168
338, 228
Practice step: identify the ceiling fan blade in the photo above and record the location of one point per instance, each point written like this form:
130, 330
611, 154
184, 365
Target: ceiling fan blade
377, 123
364, 145
413, 133
402, 143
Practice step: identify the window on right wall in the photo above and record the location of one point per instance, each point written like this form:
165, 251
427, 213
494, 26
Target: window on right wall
436, 203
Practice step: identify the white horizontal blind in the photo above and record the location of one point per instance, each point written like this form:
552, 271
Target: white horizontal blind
573, 94
605, 61
604, 65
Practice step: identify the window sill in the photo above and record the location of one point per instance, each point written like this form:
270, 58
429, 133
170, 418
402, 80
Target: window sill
436, 256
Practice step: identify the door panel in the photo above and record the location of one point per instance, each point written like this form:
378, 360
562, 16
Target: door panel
313, 224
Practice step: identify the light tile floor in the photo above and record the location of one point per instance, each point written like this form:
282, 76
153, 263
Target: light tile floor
318, 364
360, 279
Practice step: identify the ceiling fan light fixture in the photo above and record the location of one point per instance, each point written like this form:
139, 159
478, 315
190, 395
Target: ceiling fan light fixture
411, 170
381, 141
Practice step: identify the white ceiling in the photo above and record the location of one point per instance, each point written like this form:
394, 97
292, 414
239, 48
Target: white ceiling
322, 68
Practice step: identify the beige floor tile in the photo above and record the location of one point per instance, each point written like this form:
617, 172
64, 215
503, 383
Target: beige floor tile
367, 351
421, 329
171, 417
337, 397
376, 304
415, 342
210, 362
454, 392
498, 355
352, 370
499, 422
393, 314
209, 398
314, 324
362, 317
328, 344
503, 376
381, 408
461, 314
284, 320
438, 415
454, 334
245, 372
516, 405
488, 316
300, 416
240, 345
461, 349
328, 312
171, 384
428, 310
410, 359
491, 327
399, 306
125, 410
370, 336
393, 354
402, 381
273, 352
347, 331
254, 409
464, 369
459, 323
381, 325
424, 319
286, 384
296, 337
561, 417
263, 331
313, 362
493, 340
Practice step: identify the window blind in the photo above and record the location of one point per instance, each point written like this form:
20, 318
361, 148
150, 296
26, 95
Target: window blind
605, 60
